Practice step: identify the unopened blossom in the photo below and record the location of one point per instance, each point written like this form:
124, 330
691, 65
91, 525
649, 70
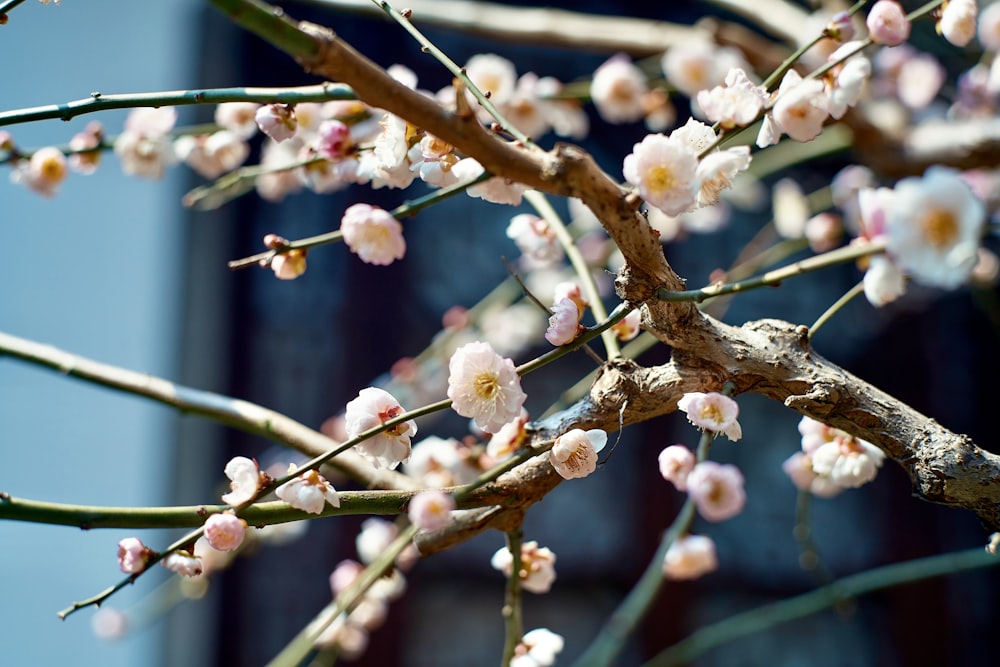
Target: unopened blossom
564, 323
574, 453
144, 147
663, 171
308, 492
345, 574
717, 490
887, 23
537, 648
214, 154
712, 412
484, 386
45, 171
824, 231
372, 408
237, 117
840, 27
734, 104
617, 89
439, 462
799, 110
278, 121
958, 21
289, 265
431, 509
690, 557
133, 555
676, 463
934, 227
884, 282
716, 171
373, 234
85, 153
225, 531
988, 30
245, 479
182, 563
535, 238
537, 571
109, 623
628, 327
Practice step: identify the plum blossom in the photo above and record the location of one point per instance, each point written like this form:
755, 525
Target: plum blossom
690, 557
735, 104
375, 537
840, 27
537, 648
799, 110
887, 23
988, 30
245, 479
509, 438
628, 327
958, 21
716, 172
308, 492
373, 234
846, 80
663, 170
484, 386
278, 121
225, 531
44, 172
431, 509
712, 412
574, 453
676, 463
537, 571
289, 265
564, 323
494, 75
717, 490
535, 238
617, 89
109, 623
883, 281
182, 563
799, 469
133, 555
496, 190
840, 458
372, 408
85, 150
237, 117
439, 462
934, 226
214, 154
144, 147
694, 65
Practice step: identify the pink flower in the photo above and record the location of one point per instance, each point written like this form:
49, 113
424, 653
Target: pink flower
663, 171
690, 557
145, 148
245, 479
133, 555
841, 27
45, 171
372, 408
277, 121
182, 563
887, 23
712, 412
628, 327
308, 492
85, 147
717, 490
289, 265
214, 154
431, 509
345, 574
799, 109
617, 89
237, 117
676, 463
484, 386
225, 531
334, 139
574, 453
538, 570
989, 27
373, 234
564, 323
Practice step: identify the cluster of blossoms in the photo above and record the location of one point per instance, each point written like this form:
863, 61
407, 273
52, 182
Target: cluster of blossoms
831, 460
538, 571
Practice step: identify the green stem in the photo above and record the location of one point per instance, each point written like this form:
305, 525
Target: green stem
271, 24
769, 616
832, 258
323, 92
835, 308
513, 621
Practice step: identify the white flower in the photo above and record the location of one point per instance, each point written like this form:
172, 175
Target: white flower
484, 386
431, 509
735, 104
182, 563
934, 227
716, 172
373, 234
509, 438
492, 74
212, 155
375, 537
574, 453
847, 461
663, 171
144, 147
538, 570
690, 557
237, 117
799, 110
244, 481
848, 79
676, 463
799, 469
537, 648
989, 27
308, 492
712, 412
535, 239
884, 282
958, 21
717, 490
439, 462
617, 89
277, 121
694, 65
44, 172
372, 408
